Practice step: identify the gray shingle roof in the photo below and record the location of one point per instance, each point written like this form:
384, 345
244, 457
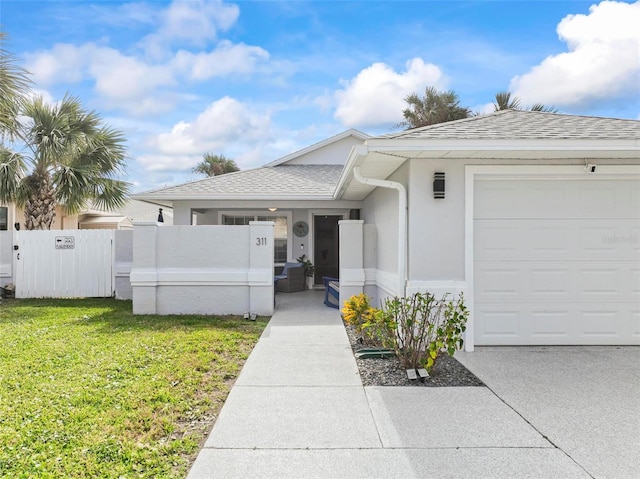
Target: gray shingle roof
526, 125
269, 182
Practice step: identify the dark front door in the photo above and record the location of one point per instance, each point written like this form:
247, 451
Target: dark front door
327, 247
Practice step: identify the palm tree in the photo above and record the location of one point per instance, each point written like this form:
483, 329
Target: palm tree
214, 165
14, 83
434, 107
73, 159
505, 101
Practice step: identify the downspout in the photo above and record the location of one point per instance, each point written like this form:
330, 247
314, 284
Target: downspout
402, 223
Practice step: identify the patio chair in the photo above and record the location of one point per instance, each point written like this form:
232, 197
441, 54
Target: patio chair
291, 279
331, 290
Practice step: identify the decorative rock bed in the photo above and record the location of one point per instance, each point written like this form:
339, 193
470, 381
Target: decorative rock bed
448, 372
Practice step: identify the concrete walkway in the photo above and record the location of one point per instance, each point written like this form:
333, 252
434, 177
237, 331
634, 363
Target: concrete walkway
299, 410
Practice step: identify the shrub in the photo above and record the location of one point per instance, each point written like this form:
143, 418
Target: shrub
424, 326
418, 327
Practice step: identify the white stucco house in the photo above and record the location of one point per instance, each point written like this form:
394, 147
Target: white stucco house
534, 216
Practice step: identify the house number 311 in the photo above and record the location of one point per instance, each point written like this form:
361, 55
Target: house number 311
261, 241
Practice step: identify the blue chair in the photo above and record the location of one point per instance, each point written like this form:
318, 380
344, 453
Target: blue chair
291, 279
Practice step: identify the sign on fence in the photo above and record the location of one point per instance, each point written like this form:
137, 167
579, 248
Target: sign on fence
65, 242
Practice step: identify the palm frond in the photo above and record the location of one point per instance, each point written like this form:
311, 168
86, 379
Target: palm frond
14, 84
12, 168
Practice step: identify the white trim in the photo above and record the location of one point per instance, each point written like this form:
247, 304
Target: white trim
515, 172
388, 282
352, 277
370, 277
321, 144
201, 277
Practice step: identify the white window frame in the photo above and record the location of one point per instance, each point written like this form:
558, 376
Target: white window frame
256, 213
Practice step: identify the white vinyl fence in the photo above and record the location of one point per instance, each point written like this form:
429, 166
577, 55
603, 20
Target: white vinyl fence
66, 263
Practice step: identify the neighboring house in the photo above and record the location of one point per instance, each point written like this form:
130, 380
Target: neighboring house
134, 211
91, 218
534, 216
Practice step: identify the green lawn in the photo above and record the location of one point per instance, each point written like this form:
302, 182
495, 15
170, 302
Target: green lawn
89, 390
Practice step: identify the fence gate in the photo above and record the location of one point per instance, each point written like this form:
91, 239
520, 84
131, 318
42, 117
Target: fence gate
64, 263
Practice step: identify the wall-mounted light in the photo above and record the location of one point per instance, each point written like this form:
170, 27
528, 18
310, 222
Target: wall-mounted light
272, 209
301, 245
438, 185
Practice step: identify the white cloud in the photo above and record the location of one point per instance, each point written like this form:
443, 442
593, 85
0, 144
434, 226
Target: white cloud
193, 22
376, 95
64, 63
198, 20
225, 127
226, 59
134, 84
603, 60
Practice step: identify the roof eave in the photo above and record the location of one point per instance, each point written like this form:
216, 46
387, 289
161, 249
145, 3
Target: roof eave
428, 144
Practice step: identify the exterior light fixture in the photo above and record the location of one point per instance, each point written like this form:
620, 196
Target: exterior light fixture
438, 185
272, 209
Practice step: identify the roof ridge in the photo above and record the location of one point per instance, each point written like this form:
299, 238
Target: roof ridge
201, 180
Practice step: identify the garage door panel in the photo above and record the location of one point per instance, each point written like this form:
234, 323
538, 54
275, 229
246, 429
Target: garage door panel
498, 325
598, 282
551, 323
635, 284
563, 240
557, 323
557, 273
584, 198
634, 326
551, 281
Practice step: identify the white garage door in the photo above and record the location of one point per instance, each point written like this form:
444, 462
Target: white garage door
557, 262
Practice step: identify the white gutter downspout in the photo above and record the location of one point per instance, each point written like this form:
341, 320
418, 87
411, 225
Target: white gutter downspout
402, 223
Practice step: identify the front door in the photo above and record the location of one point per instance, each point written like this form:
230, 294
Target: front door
327, 247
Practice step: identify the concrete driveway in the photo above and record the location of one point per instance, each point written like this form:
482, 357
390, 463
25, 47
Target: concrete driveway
584, 400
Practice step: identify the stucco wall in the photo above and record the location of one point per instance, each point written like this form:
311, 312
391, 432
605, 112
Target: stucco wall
203, 269
333, 154
380, 209
436, 226
123, 261
6, 257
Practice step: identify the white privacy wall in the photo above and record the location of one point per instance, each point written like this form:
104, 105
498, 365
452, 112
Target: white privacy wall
203, 269
123, 259
6, 257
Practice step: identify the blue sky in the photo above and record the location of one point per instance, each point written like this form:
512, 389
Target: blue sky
256, 81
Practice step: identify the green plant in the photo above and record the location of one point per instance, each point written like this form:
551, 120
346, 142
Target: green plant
371, 322
449, 332
356, 309
309, 269
420, 327
89, 390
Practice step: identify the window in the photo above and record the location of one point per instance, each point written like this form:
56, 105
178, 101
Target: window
279, 233
4, 214
237, 220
